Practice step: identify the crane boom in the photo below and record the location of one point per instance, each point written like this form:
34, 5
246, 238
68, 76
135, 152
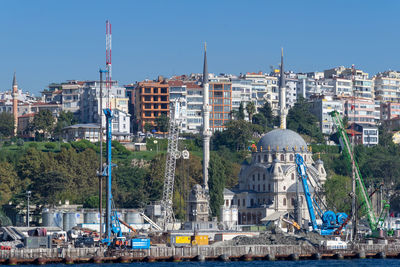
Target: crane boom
301, 169
348, 151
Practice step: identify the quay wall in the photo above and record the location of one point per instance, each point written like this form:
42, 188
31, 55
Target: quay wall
188, 252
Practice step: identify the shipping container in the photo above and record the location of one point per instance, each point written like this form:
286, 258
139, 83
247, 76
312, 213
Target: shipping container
200, 240
140, 243
179, 241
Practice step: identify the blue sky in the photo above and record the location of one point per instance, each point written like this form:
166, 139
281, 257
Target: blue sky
54, 41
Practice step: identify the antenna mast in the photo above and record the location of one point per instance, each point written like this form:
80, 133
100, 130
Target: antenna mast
108, 62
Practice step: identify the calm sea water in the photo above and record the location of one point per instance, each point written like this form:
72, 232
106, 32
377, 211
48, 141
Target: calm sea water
347, 263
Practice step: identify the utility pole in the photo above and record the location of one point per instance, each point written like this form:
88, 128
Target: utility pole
101, 154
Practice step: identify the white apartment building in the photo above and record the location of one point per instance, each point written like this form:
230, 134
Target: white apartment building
321, 107
90, 110
194, 101
178, 92
387, 86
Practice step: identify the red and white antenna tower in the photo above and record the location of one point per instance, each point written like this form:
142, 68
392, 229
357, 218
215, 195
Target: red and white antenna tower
108, 62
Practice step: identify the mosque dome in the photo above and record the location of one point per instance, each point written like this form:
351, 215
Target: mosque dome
281, 138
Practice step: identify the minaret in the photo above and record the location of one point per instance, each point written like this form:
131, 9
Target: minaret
282, 96
15, 103
206, 122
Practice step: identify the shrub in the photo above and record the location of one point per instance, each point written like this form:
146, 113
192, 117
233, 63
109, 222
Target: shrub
33, 145
50, 146
65, 145
20, 142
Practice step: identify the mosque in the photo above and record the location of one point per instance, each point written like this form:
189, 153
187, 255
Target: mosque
269, 187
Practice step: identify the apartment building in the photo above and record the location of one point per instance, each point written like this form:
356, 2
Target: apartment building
389, 110
221, 104
178, 95
151, 101
387, 86
360, 110
321, 107
194, 99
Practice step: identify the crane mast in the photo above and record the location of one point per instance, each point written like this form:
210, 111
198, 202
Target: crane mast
172, 155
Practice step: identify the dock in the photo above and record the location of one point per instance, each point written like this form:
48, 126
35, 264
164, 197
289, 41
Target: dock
196, 253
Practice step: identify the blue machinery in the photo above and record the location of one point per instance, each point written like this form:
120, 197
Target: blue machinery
330, 221
113, 225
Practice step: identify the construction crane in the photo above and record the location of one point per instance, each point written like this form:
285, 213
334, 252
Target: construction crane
330, 220
172, 155
347, 149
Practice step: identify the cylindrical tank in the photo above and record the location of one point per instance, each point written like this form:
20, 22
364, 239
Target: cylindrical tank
91, 217
79, 217
69, 220
52, 219
133, 217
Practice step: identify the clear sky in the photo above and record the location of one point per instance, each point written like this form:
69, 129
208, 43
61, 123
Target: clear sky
53, 41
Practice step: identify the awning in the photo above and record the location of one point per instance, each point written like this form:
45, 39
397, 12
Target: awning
274, 216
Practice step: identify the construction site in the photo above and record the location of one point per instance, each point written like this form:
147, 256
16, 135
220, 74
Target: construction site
288, 219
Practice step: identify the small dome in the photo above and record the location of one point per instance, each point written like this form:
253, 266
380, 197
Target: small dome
282, 138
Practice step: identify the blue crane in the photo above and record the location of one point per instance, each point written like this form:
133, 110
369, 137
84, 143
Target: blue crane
330, 221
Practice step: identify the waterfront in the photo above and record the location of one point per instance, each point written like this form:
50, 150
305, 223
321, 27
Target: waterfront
358, 262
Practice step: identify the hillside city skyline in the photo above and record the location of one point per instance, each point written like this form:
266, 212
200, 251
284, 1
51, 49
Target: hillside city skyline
67, 41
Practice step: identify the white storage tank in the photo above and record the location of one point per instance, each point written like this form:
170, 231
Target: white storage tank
91, 217
51, 218
69, 220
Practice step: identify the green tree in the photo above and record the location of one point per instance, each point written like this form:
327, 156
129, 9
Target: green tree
162, 123
240, 114
302, 121
259, 119
43, 122
65, 118
148, 127
337, 190
236, 136
251, 109
266, 111
8, 182
6, 124
216, 184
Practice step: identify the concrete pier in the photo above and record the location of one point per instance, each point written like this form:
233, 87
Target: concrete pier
198, 253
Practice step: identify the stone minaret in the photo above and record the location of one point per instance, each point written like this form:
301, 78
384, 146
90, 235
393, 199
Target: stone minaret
282, 96
206, 122
15, 103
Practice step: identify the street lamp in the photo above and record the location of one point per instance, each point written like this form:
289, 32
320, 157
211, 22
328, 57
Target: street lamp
28, 195
156, 142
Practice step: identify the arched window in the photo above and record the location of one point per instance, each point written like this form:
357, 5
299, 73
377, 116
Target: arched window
251, 202
292, 176
254, 177
284, 201
264, 176
240, 218
265, 158
291, 157
305, 157
293, 201
244, 202
258, 176
273, 156
258, 188
282, 157
284, 188
227, 203
259, 158
269, 188
264, 187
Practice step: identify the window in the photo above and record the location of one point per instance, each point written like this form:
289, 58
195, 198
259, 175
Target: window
259, 158
264, 187
265, 158
284, 188
269, 188
254, 177
291, 157
244, 202
264, 177
284, 201
293, 201
227, 203
282, 157
258, 176
252, 203
292, 176
254, 187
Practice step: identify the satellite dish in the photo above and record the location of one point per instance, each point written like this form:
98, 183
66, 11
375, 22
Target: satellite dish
185, 154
